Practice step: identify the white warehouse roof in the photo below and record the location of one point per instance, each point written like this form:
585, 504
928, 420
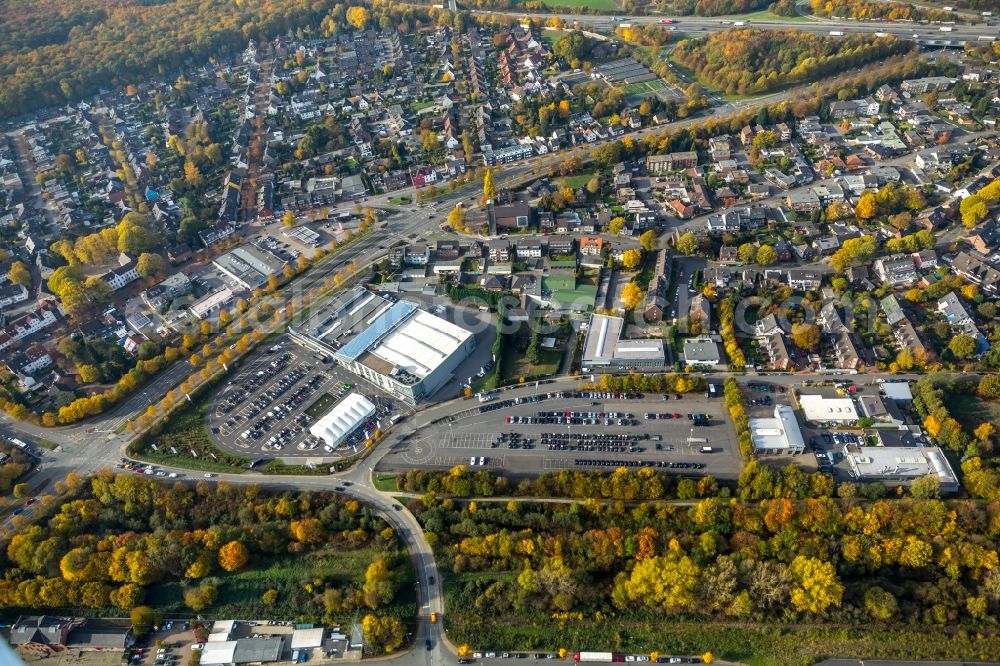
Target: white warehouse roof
341, 421
778, 435
820, 409
421, 343
218, 652
304, 639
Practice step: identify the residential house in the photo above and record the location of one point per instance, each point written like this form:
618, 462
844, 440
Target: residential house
804, 279
122, 276
896, 270
418, 254
953, 309
803, 202
499, 249
907, 338
778, 355
663, 164
529, 248
700, 312
769, 325
925, 260
986, 237
591, 246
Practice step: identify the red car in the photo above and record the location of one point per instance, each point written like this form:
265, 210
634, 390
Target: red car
30, 501
677, 415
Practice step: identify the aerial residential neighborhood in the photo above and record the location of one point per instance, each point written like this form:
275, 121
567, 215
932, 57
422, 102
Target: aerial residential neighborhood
590, 332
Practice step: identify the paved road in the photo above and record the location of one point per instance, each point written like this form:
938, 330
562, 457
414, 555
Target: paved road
696, 24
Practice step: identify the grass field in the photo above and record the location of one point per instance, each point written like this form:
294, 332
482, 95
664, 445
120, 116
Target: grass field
386, 483
565, 290
399, 201
970, 411
765, 15
187, 432
321, 406
644, 86
240, 593
593, 4
575, 182
516, 364
752, 643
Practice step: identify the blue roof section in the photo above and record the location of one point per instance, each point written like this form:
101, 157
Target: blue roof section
379, 328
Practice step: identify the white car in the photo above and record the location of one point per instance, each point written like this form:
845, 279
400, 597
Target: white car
209, 475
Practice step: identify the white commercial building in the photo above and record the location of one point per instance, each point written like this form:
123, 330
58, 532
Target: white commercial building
397, 346
778, 435
343, 419
210, 303
605, 348
901, 464
820, 409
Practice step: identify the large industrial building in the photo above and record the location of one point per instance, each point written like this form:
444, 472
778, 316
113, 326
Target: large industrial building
604, 348
250, 265
395, 345
778, 435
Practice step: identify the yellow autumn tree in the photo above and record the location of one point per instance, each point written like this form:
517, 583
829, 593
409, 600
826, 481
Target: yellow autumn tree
233, 556
631, 296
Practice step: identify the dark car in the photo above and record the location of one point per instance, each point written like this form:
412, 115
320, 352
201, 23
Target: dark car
427, 644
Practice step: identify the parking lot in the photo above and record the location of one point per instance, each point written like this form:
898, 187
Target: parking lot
550, 431
268, 406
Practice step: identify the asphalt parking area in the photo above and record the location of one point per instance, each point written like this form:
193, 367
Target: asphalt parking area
551, 431
267, 407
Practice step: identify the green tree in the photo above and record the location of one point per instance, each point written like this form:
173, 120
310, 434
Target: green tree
19, 274
926, 487
962, 346
746, 253
143, 619
817, 586
880, 603
766, 255
149, 264
649, 240
687, 244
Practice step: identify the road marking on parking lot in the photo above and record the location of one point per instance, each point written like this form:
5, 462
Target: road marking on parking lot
480, 440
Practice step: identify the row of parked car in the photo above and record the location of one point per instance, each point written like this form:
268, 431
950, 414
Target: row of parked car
603, 462
236, 398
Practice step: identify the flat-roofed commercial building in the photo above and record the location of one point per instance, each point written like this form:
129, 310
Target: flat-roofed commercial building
901, 464
397, 346
820, 409
604, 348
249, 265
780, 434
